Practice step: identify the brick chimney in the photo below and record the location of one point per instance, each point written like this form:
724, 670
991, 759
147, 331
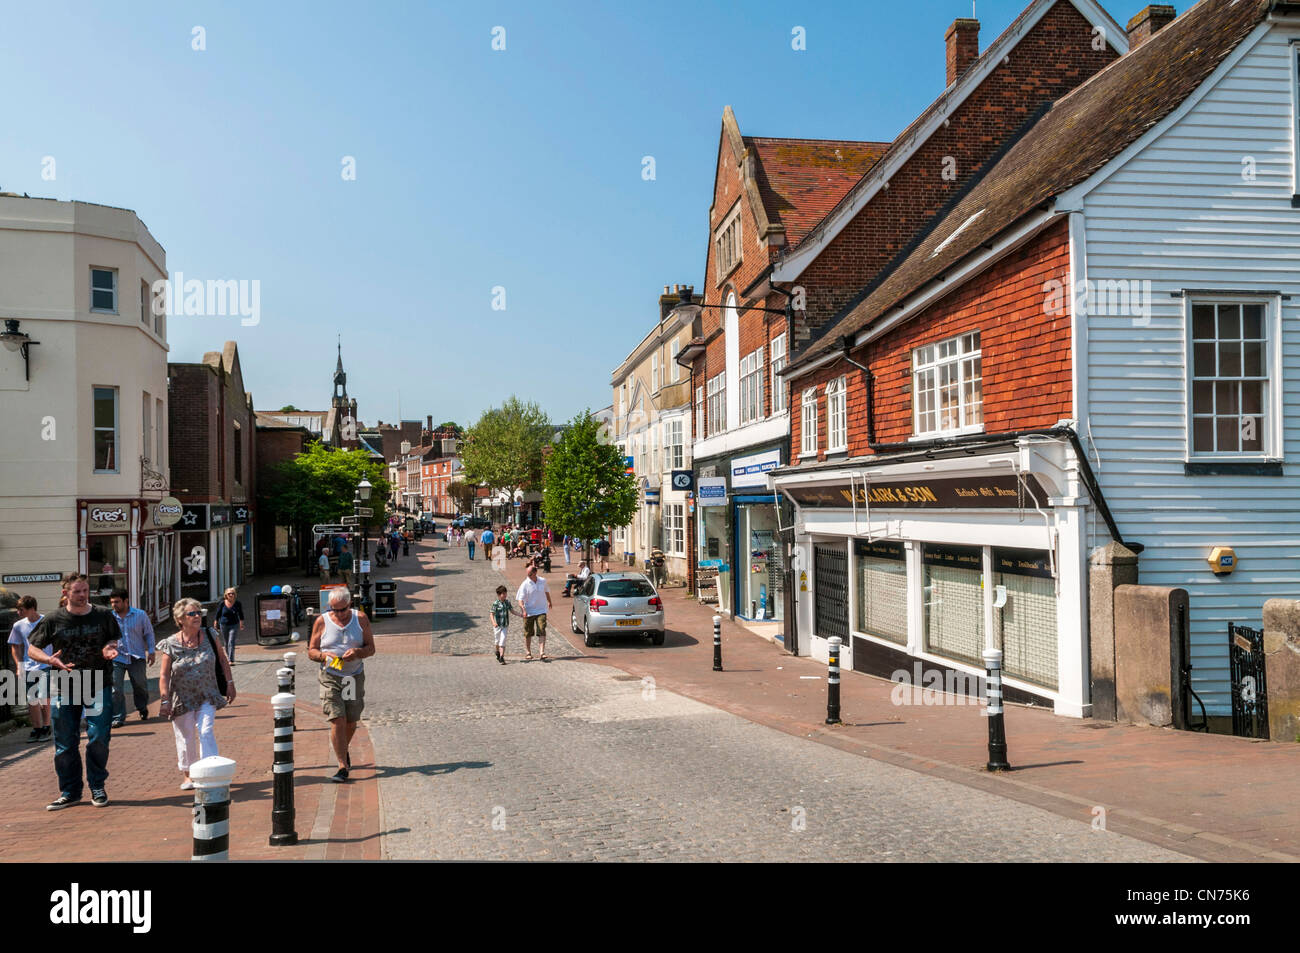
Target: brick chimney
1143, 26
963, 39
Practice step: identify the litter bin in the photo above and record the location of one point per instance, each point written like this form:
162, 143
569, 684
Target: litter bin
274, 618
385, 598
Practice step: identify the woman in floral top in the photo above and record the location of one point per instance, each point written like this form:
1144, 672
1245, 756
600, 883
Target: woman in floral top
188, 684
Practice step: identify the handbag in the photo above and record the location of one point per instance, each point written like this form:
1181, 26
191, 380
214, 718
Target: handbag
216, 660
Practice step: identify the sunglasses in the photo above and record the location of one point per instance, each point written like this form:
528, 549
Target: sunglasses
193, 613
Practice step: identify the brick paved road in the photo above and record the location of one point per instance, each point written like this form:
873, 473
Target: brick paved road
574, 761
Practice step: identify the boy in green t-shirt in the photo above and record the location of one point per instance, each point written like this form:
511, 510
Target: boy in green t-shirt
501, 612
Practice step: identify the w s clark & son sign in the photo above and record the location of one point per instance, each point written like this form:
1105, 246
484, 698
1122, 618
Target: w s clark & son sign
1001, 491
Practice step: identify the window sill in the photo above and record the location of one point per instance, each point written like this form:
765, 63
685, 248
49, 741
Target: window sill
940, 434
1233, 467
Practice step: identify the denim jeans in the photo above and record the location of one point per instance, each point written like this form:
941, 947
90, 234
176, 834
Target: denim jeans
139, 687
470, 544
67, 742
230, 632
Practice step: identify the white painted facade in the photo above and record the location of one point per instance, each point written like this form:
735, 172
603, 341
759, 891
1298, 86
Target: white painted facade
1202, 201
47, 251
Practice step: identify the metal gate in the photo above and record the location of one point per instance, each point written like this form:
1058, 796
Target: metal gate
1249, 689
789, 607
831, 591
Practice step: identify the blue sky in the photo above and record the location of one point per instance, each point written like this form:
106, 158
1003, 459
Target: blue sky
475, 168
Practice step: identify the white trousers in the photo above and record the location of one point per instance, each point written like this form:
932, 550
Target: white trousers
195, 739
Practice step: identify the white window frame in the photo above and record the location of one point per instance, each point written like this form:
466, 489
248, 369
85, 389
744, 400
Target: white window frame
674, 529
1294, 49
699, 413
674, 369
718, 403
1273, 395
144, 302
751, 387
837, 416
777, 363
728, 244
117, 430
654, 372
93, 289
926, 360
808, 423
674, 445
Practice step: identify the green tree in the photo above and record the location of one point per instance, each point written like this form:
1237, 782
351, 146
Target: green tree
317, 486
449, 425
289, 409
503, 451
462, 494
587, 487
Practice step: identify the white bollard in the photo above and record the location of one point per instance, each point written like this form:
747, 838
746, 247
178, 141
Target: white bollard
212, 777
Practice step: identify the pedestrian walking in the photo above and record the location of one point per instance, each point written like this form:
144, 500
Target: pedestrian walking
469, 542
602, 550
406, 544
392, 545
195, 681
488, 538
230, 618
324, 565
36, 675
340, 640
345, 566
134, 652
84, 639
535, 599
566, 550
501, 611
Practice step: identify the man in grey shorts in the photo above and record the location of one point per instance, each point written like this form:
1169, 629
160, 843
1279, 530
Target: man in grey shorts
340, 639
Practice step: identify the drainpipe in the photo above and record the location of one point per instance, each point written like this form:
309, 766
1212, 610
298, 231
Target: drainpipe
846, 343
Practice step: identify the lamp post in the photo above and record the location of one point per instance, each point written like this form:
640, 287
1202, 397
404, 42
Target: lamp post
363, 497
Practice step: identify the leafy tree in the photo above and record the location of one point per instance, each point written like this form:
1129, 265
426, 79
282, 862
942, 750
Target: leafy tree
317, 486
504, 449
289, 409
449, 425
587, 487
462, 494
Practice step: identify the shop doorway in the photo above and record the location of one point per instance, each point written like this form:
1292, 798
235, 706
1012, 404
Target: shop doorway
759, 580
831, 591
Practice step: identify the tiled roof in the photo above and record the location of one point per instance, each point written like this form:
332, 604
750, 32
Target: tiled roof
1082, 132
800, 180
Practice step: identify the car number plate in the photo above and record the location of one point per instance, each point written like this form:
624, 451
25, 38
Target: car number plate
628, 622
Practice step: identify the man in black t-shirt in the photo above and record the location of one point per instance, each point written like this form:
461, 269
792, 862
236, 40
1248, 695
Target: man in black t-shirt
602, 550
82, 643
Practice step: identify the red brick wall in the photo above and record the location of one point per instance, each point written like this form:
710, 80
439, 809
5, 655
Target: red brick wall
1025, 352
191, 435
1055, 57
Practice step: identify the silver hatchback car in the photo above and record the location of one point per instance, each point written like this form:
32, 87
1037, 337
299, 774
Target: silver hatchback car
617, 603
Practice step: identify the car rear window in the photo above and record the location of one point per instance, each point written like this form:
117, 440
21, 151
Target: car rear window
626, 588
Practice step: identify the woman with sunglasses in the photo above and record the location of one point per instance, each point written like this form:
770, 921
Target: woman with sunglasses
188, 684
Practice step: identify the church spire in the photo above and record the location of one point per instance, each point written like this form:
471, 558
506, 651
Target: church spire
340, 378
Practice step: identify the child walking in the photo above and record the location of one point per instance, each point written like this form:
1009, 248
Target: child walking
502, 609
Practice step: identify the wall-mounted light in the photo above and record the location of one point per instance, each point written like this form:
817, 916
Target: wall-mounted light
15, 340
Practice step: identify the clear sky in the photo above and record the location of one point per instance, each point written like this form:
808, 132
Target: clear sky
475, 168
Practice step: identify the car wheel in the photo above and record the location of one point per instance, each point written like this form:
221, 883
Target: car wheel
573, 622
657, 638
588, 639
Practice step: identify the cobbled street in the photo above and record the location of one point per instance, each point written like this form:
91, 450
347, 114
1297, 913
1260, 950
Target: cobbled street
570, 760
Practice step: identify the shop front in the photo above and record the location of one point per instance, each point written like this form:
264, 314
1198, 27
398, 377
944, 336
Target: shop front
241, 516
106, 551
158, 581
921, 565
194, 553
740, 555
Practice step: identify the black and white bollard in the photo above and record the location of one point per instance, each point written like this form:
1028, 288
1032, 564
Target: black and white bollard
717, 643
997, 728
833, 681
291, 663
282, 811
284, 680
212, 777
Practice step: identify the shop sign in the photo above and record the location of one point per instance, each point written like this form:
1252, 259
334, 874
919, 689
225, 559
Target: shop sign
194, 562
956, 557
683, 480
166, 512
712, 491
240, 514
998, 491
220, 514
194, 516
108, 517
878, 549
718, 564
1022, 562
753, 470
28, 578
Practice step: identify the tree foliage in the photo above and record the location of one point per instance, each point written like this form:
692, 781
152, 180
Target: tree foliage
462, 494
318, 485
504, 449
587, 489
288, 409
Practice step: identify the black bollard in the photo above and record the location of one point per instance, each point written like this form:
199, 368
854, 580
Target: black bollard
717, 643
291, 663
997, 728
282, 811
833, 682
212, 777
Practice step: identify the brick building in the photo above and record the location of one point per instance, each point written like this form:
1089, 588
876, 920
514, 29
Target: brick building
279, 546
212, 453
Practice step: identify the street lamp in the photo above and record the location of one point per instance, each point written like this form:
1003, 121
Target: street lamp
15, 340
362, 498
